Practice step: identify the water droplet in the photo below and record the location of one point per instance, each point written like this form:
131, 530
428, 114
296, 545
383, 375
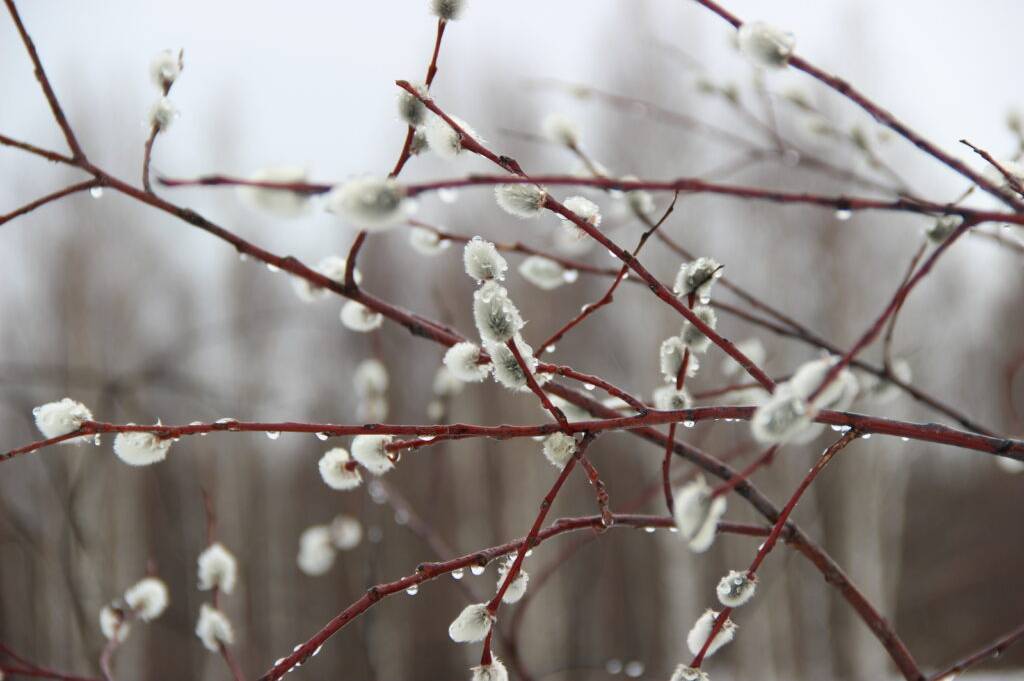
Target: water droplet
551, 348
837, 428
613, 666
688, 424
570, 276
625, 276
673, 529
634, 669
413, 590
905, 439
448, 195
401, 517
321, 436
866, 436
426, 438
529, 552
458, 573
272, 267
317, 651
477, 570
843, 214
96, 192
704, 300
273, 434
588, 386
243, 256
649, 530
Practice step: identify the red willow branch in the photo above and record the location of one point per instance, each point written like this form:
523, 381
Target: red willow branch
24, 667
531, 381
55, 196
428, 571
682, 184
924, 432
880, 115
44, 82
993, 649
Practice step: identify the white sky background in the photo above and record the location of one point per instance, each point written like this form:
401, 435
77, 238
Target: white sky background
311, 82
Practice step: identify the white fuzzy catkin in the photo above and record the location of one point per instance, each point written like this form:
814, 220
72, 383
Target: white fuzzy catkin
694, 338
882, 390
697, 514
559, 448
472, 624
1009, 465
517, 587
686, 673
332, 267
346, 532
561, 130
148, 598
765, 46
113, 625
940, 230
507, 370
140, 448
334, 470
357, 317
462, 360
410, 108
370, 378
54, 419
446, 384
316, 550
497, 318
449, 10
640, 201
736, 589
585, 209
162, 114
697, 277
370, 382
427, 242
495, 671
702, 630
214, 628
667, 398
482, 261
838, 394
521, 200
165, 68
753, 348
443, 139
670, 359
370, 203
280, 203
545, 273
781, 417
369, 451
218, 568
